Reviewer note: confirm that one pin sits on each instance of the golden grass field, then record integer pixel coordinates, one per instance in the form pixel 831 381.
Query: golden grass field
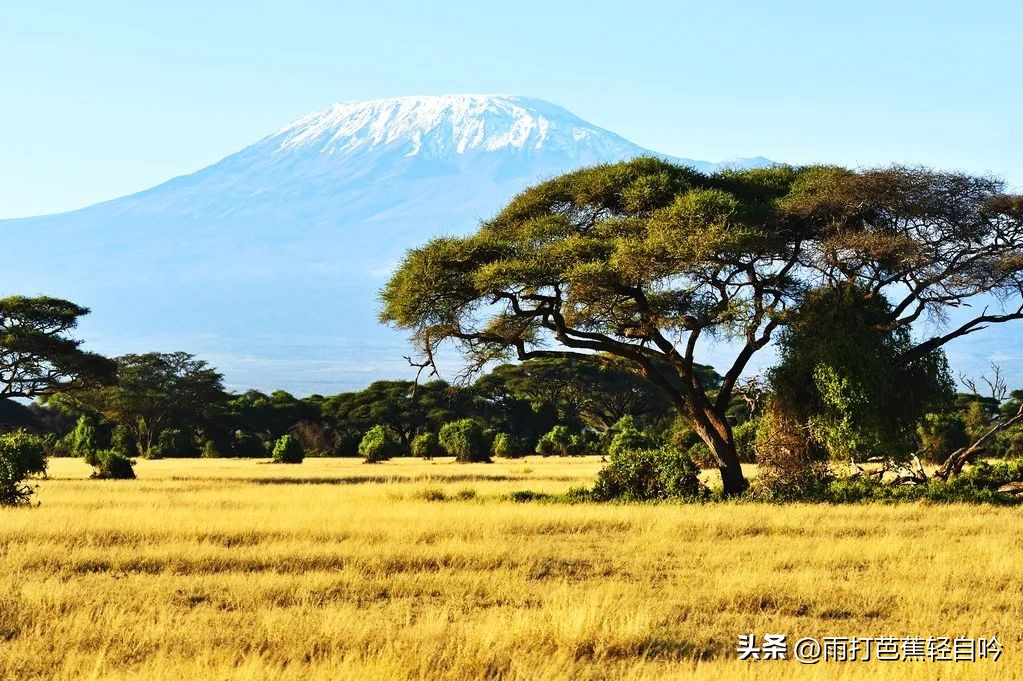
pixel 334 569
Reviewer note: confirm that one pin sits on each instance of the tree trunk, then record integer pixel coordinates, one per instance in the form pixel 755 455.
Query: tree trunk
pixel 713 428
pixel 953 465
pixel 733 481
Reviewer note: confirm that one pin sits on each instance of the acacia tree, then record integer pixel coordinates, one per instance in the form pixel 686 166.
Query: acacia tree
pixel 37 355
pixel 154 391
pixel 646 261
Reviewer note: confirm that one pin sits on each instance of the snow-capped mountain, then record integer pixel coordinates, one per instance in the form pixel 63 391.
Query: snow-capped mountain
pixel 268 262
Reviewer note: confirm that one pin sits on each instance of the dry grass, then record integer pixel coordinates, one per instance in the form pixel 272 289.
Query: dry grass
pixel 338 570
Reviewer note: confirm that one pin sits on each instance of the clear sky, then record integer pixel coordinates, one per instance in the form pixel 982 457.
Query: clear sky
pixel 99 99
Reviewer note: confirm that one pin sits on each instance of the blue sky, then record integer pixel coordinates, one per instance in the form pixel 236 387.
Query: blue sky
pixel 100 99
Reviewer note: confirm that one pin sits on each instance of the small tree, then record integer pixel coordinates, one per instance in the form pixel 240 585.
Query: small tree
pixel 556 442
pixel 209 451
pixel 426 446
pixel 378 444
pixel 465 440
pixel 112 465
pixel 509 446
pixel 628 437
pixel 82 440
pixel 287 450
pixel 648 475
pixel 940 435
pixel 21 456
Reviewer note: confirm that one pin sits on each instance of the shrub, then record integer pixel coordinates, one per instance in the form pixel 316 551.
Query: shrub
pixel 426 446
pixel 940 435
pixel 465 440
pixel 247 445
pixel 173 443
pixel 648 475
pixel 682 435
pixel 112 465
pixel 21 455
pixel 745 436
pixel 288 450
pixel 556 442
pixel 378 445
pixel 508 446
pixel 629 439
pixel 81 441
pixel 209 451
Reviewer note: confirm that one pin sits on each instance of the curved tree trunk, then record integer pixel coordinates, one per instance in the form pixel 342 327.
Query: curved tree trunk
pixel 719 440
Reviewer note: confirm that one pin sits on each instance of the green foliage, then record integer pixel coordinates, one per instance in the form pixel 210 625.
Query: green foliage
pixel 745 436
pixel 173 442
pixel 247 445
pixel 209 451
pixel 940 435
pixel 426 446
pixel 154 392
pixel 977 418
pixel 378 445
pixel 557 442
pixel 287 450
pixel 81 441
pixel 649 475
pixel 38 356
pixel 112 465
pixel 509 446
pixel 841 377
pixel 682 436
pixel 701 455
pixel 465 440
pixel 628 438
pixel 21 455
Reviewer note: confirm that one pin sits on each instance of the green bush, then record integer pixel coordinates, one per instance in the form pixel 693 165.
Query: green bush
pixel 288 450
pixel 629 439
pixel 556 442
pixel 81 441
pixel 21 456
pixel 209 450
pixel 465 440
pixel 174 443
pixel 247 445
pixel 378 445
pixel 745 435
pixel 940 435
pixel 426 446
pixel 508 446
pixel 112 465
pixel 649 475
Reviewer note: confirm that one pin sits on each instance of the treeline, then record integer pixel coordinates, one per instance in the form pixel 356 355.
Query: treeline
pixel 175 406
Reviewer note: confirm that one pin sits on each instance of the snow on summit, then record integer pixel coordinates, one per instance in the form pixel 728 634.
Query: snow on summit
pixel 447 124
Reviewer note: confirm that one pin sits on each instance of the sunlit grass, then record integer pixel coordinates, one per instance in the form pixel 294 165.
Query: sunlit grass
pixel 338 570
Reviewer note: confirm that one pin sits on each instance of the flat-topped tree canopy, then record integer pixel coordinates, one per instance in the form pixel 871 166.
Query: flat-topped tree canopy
pixel 37 354
pixel 643 260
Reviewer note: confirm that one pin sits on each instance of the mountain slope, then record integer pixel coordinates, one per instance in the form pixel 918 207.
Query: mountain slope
pixel 268 262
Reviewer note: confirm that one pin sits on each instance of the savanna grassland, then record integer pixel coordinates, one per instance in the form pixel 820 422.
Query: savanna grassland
pixel 409 569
